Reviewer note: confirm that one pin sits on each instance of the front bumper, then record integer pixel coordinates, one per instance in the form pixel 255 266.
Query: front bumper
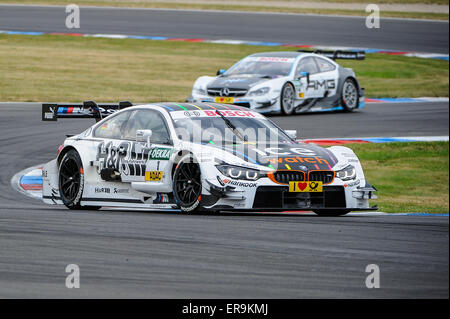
pixel 264 104
pixel 267 195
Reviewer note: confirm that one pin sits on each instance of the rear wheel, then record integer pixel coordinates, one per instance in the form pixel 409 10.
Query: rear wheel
pixel 187 187
pixel 287 99
pixel 331 213
pixel 349 96
pixel 71 181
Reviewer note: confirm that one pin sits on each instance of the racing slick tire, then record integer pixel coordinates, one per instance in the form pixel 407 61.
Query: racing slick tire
pixel 71 181
pixel 187 185
pixel 349 95
pixel 329 213
pixel 287 99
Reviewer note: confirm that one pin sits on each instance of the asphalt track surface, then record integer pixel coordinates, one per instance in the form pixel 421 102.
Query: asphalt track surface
pixel 163 254
pixel 394 34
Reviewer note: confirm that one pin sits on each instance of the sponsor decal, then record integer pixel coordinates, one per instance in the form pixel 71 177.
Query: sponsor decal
pixel 192 113
pixel 129 158
pixel 352 183
pixel 121 190
pixel 212 113
pixel 270 59
pixel 308 187
pixel 228 100
pixel 298 159
pixel 316 84
pixel 154 176
pixel 230 81
pixel 230 113
pixel 105 190
pixel 161 153
pixel 238 183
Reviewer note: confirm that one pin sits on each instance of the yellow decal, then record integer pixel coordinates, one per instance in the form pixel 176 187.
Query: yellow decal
pixel 307 187
pixel 301 95
pixel 224 100
pixel 153 176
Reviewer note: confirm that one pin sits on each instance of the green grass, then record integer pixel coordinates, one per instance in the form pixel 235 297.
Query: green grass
pixel 235 6
pixel 63 68
pixel 410 177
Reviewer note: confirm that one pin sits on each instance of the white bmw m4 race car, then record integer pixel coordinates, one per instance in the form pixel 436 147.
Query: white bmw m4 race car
pixel 285 82
pixel 197 157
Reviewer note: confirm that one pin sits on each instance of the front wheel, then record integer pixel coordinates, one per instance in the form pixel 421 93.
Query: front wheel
pixel 187 185
pixel 330 213
pixel 349 96
pixel 287 99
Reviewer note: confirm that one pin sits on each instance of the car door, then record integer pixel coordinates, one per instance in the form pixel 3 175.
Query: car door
pixel 109 146
pixel 312 88
pixel 328 75
pixel 141 162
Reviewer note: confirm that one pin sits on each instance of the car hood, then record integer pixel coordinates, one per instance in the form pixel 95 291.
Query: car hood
pixel 237 82
pixel 294 156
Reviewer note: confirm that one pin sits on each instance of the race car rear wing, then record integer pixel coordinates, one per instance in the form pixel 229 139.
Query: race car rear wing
pixel 89 109
pixel 339 54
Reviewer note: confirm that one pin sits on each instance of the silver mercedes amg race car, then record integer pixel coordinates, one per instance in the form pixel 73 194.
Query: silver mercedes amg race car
pixel 285 82
pixel 197 157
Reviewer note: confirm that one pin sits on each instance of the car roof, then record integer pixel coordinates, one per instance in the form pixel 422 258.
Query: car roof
pixel 280 54
pixel 173 106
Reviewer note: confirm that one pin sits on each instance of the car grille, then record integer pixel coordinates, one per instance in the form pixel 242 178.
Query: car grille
pixel 279 197
pixel 284 177
pixel 326 177
pixel 232 92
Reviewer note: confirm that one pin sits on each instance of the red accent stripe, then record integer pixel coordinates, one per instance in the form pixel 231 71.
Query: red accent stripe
pixel 31 187
pixel 334 142
pixel 186 40
pixel 372 100
pixel 393 53
pixel 70 109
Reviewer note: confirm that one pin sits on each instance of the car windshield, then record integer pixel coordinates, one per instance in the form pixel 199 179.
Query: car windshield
pixel 215 130
pixel 262 66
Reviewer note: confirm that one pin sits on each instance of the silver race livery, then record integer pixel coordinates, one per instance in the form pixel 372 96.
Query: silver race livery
pixel 197 157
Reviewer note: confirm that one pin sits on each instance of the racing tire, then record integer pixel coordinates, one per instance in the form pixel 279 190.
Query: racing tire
pixel 287 99
pixel 328 213
pixel 187 185
pixel 71 181
pixel 349 96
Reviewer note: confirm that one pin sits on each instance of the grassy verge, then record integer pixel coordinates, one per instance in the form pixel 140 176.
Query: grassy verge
pixel 410 177
pixel 63 68
pixel 243 7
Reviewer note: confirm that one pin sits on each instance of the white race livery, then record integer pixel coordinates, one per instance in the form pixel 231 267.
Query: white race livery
pixel 285 82
pixel 197 157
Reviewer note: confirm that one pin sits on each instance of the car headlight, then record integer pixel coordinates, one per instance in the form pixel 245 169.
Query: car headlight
pixel 260 91
pixel 346 174
pixel 200 91
pixel 237 172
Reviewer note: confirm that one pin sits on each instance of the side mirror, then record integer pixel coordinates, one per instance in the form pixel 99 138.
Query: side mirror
pixel 304 74
pixel 292 134
pixel 144 136
pixel 221 71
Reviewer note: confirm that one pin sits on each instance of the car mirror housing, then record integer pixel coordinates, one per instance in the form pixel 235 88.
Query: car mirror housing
pixel 304 74
pixel 292 134
pixel 144 136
